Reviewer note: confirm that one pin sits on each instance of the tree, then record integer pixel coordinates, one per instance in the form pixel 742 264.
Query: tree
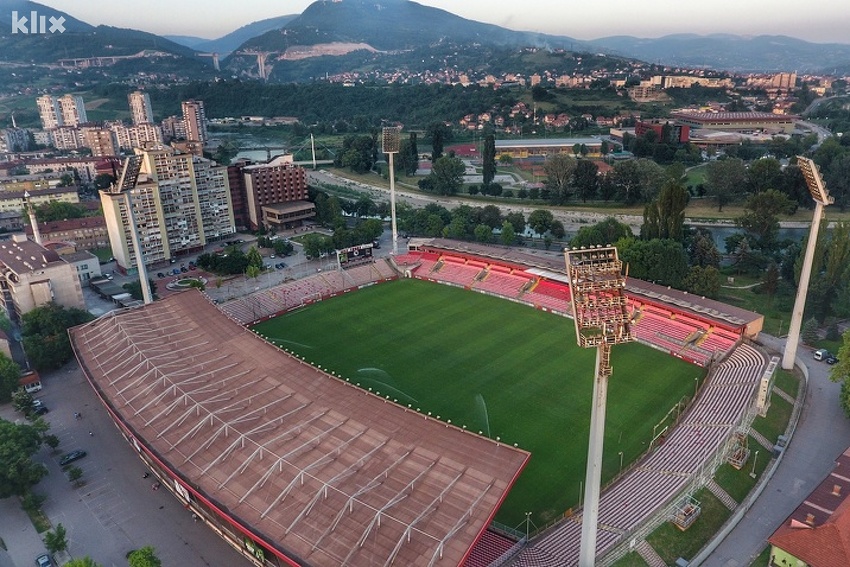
pixel 771 282
pixel 483 233
pixel 56 540
pixel 18 443
pixel 760 218
pixel 10 373
pixel 809 333
pixel 540 221
pixel 559 170
pixel 517 220
pixel 604 232
pixel 59 210
pixel 408 155
pixel 508 234
pixel 74 475
pixel 665 216
pixel 437 132
pixel 144 557
pixel 254 257
pixel 586 179
pixel 840 372
pixel 447 174
pixel 702 251
pixel 134 288
pixel 703 281
pixel 489 159
pixel 764 174
pixel 724 179
pixel 85 561
pixel 51 441
pixel 661 261
pixel 45 333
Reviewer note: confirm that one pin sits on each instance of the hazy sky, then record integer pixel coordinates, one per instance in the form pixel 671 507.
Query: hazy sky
pixel 820 21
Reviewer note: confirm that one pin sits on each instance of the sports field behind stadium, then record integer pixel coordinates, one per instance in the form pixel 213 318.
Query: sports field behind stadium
pixel 494 366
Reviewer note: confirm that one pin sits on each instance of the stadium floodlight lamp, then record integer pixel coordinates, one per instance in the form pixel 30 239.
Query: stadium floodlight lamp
pixel 391 142
pixel 600 313
pixel 391 139
pixel 817 189
pixel 814 182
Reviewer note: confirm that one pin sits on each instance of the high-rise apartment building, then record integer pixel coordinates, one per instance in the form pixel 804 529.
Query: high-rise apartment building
pixel 274 194
pixel 180 202
pixel 73 110
pixel 195 119
pixel 140 107
pixel 100 141
pixel 49 112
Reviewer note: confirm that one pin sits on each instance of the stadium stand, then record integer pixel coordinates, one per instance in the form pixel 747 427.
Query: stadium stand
pixel 280 458
pixel 490 548
pixel 662 474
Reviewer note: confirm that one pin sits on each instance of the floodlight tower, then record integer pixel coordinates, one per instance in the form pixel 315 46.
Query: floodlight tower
pixel 127 182
pixel 391 142
pixel 601 317
pixel 818 191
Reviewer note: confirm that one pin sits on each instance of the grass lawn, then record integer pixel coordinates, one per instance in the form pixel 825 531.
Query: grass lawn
pixel 672 543
pixel 777 418
pixel 738 483
pixel 632 559
pixel 493 366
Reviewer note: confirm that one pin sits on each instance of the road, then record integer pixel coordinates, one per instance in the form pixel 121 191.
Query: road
pixel 822 434
pixel 115 511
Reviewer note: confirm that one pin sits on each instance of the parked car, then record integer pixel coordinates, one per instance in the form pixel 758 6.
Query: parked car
pixel 175 271
pixel 160 275
pixel 40 410
pixel 821 354
pixel 71 457
pixel 831 359
pixel 43 560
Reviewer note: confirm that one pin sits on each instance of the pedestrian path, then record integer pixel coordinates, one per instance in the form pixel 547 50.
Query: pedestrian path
pixel 23 543
pixel 761 439
pixel 721 494
pixel 781 393
pixel 648 553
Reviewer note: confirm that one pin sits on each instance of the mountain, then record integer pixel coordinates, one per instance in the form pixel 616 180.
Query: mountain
pixel 391 25
pixel 228 43
pixel 78 40
pixel 187 40
pixel 763 53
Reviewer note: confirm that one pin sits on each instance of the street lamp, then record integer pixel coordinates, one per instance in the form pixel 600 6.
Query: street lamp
pixel 621 461
pixel 755 458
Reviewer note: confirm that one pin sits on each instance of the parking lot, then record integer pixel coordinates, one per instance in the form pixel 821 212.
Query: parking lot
pixel 115 511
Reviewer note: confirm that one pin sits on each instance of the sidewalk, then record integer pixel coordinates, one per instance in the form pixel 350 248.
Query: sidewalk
pixel 23 543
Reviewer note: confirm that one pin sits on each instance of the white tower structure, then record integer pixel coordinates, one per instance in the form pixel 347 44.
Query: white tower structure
pixel 36 235
pixel 391 143
pixel 818 191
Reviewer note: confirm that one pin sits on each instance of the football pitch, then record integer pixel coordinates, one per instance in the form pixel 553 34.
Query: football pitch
pixel 497 367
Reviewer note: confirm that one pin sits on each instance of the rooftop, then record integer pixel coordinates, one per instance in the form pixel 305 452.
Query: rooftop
pixel 321 470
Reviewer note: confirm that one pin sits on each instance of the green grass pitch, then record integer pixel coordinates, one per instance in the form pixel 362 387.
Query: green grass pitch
pixel 497 367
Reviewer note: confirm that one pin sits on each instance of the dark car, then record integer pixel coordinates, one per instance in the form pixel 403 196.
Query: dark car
pixel 160 275
pixel 71 457
pixel 43 560
pixel 40 410
pixel 831 359
pixel 184 269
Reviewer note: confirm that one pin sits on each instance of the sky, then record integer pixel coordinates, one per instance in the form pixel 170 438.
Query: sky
pixel 819 21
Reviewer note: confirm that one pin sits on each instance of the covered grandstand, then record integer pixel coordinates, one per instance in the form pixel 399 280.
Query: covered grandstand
pixel 291 465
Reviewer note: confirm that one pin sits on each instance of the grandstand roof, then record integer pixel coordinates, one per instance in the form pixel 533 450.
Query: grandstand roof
pixel 704 307
pixel 320 470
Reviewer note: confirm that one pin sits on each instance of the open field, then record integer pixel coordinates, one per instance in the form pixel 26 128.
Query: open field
pixel 493 366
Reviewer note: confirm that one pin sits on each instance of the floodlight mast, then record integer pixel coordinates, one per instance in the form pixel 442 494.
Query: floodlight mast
pixel 820 195
pixel 601 317
pixel 391 143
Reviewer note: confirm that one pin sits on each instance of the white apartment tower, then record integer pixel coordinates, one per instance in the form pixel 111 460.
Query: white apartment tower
pixel 180 202
pixel 73 110
pixel 140 107
pixel 195 120
pixel 49 111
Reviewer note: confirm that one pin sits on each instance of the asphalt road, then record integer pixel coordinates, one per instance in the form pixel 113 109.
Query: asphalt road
pixel 822 434
pixel 115 511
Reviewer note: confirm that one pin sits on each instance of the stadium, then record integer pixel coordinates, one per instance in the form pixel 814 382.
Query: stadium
pixel 295 464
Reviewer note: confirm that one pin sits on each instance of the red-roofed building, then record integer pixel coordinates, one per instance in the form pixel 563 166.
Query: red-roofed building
pixel 817 533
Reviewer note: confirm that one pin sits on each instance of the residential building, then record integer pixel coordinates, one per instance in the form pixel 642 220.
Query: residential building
pixel 141 111
pixel 86 264
pixel 86 233
pixel 49 112
pixel 174 128
pixel 180 202
pixel 73 110
pixel 32 276
pixel 12 200
pixel 274 194
pixel 66 138
pixel 817 532
pixel 195 120
pixel 143 135
pixel 14 140
pixel 100 141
